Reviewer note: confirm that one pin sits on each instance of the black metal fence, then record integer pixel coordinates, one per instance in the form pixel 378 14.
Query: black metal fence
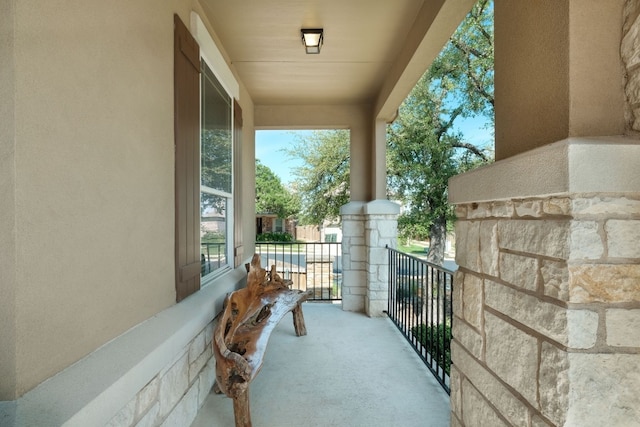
pixel 420 306
pixel 311 266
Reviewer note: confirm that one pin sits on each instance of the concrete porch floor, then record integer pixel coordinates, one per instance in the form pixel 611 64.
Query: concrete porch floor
pixel 350 370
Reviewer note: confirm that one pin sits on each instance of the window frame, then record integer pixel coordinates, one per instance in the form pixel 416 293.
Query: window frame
pixel 230 197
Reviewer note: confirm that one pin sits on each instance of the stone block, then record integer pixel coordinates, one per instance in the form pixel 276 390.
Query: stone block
pixel 468 245
pixel 196 366
pixel 622 238
pixel 147 397
pixel 196 347
pixel 513 355
pixel 537 421
pixel 586 242
pixel 387 228
pixel 548 319
pixel 377 256
pixel 461 211
pixel 553 383
pixel 150 419
pixel 376 308
pixel 476 410
pixel 556 206
pixel 185 411
pixel 124 417
pixel 489 247
pixel 358 254
pixel 503 209
pixel 623 327
pixel 605 207
pixel 609 283
pixel 353 303
pixel 479 211
pixel 455 386
pixel 173 385
pixel 519 271
pixel 205 381
pixel 458 282
pixel 555 279
pixel 472 300
pixel 494 391
pixel 539 237
pixel 604 390
pixel 529 208
pixel 468 338
pixel 208 334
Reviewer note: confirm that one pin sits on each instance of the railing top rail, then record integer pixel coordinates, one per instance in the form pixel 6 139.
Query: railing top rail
pixel 260 242
pixel 415 258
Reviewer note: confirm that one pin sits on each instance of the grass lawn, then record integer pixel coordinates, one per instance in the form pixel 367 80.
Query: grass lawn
pixel 412 249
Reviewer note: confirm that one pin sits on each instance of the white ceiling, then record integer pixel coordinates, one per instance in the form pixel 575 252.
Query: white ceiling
pixel 362 40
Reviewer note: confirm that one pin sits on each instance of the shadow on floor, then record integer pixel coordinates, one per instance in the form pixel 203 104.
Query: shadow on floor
pixel 350 370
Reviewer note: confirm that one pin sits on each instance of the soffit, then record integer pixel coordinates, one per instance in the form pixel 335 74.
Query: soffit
pixel 362 39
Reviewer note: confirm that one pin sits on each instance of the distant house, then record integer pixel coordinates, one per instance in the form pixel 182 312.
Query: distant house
pixel 270 223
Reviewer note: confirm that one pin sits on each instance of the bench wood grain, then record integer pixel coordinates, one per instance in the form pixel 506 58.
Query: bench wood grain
pixel 241 336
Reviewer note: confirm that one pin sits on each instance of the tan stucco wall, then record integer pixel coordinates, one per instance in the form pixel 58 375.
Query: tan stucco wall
pixel 94 176
pixel 87 155
pixel 569 83
pixel 7 202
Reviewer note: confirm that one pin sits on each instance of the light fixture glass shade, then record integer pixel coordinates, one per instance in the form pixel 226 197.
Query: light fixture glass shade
pixel 312 39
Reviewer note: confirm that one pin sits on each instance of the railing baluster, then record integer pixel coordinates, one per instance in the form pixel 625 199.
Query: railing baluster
pixel 420 306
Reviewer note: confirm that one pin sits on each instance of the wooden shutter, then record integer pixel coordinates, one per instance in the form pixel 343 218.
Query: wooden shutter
pixel 238 252
pixel 187 160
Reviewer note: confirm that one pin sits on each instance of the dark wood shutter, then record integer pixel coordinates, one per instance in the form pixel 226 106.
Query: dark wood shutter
pixel 187 160
pixel 238 250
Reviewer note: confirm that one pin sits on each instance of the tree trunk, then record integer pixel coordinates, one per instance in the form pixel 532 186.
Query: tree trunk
pixel 437 237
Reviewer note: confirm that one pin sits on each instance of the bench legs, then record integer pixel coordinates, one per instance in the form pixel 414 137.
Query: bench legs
pixel 298 321
pixel 241 409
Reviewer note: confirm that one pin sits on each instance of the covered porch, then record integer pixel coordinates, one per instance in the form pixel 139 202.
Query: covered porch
pixel 350 370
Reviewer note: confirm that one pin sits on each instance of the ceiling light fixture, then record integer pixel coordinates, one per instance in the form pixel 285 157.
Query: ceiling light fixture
pixel 312 39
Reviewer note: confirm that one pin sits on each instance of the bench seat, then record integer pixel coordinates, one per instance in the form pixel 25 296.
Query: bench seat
pixel 241 336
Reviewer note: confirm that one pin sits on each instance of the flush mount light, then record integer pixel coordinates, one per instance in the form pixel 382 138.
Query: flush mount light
pixel 312 39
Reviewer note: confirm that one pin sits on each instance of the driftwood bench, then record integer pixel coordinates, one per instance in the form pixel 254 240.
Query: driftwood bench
pixel 241 335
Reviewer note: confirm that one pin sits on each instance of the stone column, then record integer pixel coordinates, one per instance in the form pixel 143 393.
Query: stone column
pixel 354 268
pixel 547 295
pixel 381 230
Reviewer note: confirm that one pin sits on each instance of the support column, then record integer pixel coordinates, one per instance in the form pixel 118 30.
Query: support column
pixel 546 298
pixel 354 268
pixel 381 230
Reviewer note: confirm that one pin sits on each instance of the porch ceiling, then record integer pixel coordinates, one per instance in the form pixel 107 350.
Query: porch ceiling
pixel 365 42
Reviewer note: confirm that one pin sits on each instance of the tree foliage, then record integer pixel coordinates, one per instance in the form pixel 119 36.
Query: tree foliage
pixel 424 149
pixel 271 196
pixel 323 180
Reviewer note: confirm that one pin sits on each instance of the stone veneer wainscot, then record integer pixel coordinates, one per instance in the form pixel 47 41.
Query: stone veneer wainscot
pixel 547 296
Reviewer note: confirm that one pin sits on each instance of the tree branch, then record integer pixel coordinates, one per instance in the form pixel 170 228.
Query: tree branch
pixel 468 146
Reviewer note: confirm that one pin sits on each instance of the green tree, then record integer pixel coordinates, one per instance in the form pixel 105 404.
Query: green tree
pixel 424 149
pixel 323 180
pixel 271 196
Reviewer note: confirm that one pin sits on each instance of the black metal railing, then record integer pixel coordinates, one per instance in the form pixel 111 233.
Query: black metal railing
pixel 420 305
pixel 212 256
pixel 311 266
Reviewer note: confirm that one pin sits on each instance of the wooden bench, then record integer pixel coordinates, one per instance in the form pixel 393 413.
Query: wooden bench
pixel 242 333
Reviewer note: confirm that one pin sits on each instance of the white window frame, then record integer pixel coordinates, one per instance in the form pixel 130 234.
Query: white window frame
pixel 210 53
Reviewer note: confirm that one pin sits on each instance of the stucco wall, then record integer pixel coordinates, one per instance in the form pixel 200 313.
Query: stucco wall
pixel 7 201
pixel 88 157
pixel 567 83
pixel 94 181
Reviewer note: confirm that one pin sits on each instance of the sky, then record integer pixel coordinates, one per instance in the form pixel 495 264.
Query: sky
pixel 270 143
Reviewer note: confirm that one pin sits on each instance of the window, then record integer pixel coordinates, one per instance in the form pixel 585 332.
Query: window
pixel 216 183
pixel 205 125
